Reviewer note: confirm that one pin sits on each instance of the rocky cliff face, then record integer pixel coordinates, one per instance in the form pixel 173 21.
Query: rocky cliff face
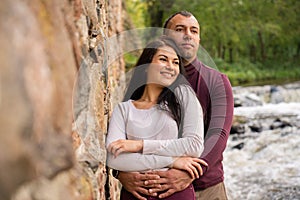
pixel 55 98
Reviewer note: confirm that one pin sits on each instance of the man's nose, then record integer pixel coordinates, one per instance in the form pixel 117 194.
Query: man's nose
pixel 187 34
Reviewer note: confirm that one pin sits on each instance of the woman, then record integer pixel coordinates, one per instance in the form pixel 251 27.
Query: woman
pixel 145 130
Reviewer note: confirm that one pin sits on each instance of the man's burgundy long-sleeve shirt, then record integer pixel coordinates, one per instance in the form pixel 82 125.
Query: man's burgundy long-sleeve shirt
pixel 214 92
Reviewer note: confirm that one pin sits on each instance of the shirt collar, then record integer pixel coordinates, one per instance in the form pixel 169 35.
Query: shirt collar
pixel 192 67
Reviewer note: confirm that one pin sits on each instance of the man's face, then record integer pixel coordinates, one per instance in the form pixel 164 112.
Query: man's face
pixel 185 31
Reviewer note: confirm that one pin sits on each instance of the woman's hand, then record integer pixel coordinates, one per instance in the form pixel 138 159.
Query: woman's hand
pixel 189 164
pixel 119 146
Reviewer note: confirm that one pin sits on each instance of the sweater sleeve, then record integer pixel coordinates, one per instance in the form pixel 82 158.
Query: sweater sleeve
pixel 220 121
pixel 129 161
pixel 191 143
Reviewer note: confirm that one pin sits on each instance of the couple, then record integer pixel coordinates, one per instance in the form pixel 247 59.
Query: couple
pixel 174 147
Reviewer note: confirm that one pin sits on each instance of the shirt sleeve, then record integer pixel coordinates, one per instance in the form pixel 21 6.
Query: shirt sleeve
pixel 116 128
pixel 129 161
pixel 191 143
pixel 220 121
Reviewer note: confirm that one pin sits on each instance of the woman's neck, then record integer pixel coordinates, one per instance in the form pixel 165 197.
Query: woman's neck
pixel 151 93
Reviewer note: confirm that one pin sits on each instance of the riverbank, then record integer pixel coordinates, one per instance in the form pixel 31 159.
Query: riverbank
pixel 246 73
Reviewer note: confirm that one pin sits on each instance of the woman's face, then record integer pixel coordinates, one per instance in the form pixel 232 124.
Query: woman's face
pixel 164 67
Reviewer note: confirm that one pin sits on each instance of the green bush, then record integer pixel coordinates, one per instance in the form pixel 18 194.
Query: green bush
pixel 246 73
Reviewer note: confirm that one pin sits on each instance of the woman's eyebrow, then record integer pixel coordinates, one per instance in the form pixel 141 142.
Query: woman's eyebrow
pixel 163 55
pixel 176 58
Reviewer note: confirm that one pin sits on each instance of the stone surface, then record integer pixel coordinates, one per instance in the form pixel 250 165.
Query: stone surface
pixel 55 98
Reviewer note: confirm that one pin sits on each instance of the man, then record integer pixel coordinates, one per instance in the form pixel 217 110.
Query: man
pixel 214 92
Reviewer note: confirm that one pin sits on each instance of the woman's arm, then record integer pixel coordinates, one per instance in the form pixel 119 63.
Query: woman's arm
pixel 129 161
pixel 192 129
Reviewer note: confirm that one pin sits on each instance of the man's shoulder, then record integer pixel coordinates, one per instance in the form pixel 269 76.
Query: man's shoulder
pixel 207 71
pixel 213 77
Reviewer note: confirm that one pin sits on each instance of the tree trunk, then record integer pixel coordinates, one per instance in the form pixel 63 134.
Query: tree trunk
pixel 262 46
pixel 223 52
pixel 231 55
pixel 252 52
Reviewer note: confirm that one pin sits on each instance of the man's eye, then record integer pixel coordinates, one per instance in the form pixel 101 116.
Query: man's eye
pixel 179 29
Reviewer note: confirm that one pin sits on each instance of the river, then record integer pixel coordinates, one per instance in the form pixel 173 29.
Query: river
pixel 262 157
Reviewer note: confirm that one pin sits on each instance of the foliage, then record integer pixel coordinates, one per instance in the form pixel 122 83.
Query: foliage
pixel 247 73
pixel 256 40
pixel 136 9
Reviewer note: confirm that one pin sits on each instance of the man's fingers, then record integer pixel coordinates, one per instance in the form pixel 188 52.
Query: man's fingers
pixel 138 196
pixel 155 182
pixel 150 176
pixel 143 191
pixel 167 193
pixel 150 179
pixel 163 187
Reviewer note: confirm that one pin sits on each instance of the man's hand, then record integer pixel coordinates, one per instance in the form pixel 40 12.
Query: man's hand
pixel 119 146
pixel 171 181
pixel 134 182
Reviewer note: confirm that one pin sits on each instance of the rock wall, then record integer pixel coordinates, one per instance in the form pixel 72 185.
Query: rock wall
pixel 56 85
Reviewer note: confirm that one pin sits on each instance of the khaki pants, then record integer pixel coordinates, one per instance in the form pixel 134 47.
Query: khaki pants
pixel 216 192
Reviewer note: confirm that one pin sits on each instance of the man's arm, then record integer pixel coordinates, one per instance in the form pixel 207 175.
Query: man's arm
pixel 220 121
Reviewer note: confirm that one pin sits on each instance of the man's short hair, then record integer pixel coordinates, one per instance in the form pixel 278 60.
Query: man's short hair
pixel 183 12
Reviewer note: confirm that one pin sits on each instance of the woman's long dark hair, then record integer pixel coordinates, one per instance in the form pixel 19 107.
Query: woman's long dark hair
pixel 138 81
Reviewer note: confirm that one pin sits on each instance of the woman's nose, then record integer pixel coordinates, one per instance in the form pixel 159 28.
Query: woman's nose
pixel 170 66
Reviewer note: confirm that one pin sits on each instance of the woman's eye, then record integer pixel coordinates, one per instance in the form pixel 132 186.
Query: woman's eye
pixel 163 59
pixel 176 63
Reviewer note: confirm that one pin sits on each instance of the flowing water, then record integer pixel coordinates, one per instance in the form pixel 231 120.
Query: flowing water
pixel 266 164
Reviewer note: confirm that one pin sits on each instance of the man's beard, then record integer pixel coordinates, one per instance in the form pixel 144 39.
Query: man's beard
pixel 186 55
